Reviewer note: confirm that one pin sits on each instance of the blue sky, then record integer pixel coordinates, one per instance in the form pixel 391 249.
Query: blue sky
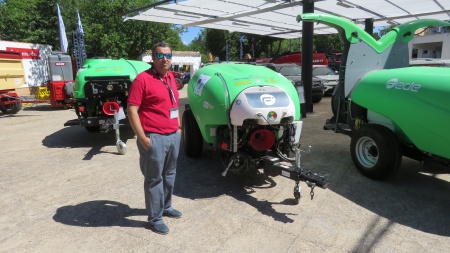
pixel 187 37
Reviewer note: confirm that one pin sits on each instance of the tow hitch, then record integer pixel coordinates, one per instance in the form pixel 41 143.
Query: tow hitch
pixel 273 167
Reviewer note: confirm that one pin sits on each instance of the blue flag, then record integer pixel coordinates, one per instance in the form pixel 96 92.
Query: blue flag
pixel 62 32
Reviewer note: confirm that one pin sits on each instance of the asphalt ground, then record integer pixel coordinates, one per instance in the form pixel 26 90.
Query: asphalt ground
pixel 64 189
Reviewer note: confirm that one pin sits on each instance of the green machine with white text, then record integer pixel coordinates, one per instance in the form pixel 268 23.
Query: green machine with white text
pixel 250 116
pixel 101 94
pixel 389 109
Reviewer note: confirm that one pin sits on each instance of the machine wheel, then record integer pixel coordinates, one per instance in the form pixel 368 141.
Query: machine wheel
pixel 334 104
pixel 121 147
pixel 180 83
pixel 192 137
pixel 11 109
pixel 375 151
pixel 317 99
pixel 242 164
pixel 93 129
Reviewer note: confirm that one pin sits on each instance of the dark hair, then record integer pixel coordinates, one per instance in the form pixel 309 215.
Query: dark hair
pixel 160 44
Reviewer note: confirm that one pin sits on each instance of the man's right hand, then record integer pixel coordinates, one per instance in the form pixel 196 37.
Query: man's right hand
pixel 145 142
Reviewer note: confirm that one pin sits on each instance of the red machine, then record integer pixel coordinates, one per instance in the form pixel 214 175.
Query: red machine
pixel 296 57
pixel 61 86
pixel 10 71
pixel 9 101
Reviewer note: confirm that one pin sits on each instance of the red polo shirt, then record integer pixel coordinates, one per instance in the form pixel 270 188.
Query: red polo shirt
pixel 153 98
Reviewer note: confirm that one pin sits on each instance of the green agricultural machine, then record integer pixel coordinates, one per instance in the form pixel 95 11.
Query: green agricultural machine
pixel 250 116
pixel 388 109
pixel 101 93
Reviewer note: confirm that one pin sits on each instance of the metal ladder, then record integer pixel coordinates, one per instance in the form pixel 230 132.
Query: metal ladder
pixel 79 51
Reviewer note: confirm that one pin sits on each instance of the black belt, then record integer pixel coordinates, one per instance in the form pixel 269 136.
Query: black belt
pixel 160 133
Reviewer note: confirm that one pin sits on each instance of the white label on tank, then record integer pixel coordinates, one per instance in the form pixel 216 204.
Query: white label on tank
pixel 17 81
pixel 201 81
pixel 212 131
pixel 56 78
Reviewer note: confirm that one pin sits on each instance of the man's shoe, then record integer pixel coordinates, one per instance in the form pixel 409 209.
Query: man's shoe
pixel 173 214
pixel 161 229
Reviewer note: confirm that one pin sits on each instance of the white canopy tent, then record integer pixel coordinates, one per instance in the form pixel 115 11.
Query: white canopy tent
pixel 277 18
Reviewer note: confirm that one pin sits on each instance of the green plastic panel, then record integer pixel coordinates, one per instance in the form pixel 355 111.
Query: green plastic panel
pixel 416 99
pixel 208 89
pixel 354 33
pixel 106 67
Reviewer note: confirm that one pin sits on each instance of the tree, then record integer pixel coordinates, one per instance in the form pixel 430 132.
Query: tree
pixel 29 21
pixel 384 30
pixel 106 34
pixel 198 45
pixel 328 43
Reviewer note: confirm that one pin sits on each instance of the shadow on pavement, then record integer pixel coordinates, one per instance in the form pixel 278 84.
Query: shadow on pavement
pixel 413 197
pixel 79 137
pixel 202 178
pixel 99 213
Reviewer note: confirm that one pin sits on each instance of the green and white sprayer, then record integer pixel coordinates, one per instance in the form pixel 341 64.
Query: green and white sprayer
pixel 250 116
pixel 101 93
pixel 388 109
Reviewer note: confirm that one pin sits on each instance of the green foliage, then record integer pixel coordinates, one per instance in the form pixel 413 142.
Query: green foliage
pixel 328 43
pixel 198 45
pixel 215 43
pixel 385 30
pixel 29 21
pixel 106 34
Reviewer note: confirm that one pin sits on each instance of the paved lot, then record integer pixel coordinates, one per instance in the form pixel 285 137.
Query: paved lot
pixel 67 190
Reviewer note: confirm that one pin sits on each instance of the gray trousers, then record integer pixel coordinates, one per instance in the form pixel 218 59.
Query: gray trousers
pixel 158 165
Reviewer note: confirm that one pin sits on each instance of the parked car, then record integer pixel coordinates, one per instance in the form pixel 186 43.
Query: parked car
pixel 293 72
pixel 329 77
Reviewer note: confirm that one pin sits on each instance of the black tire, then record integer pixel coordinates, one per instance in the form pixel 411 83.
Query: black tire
pixel 180 84
pixel 192 137
pixel 317 99
pixel 334 104
pixel 375 151
pixel 12 108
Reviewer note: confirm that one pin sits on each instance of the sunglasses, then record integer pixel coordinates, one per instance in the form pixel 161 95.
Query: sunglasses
pixel 161 55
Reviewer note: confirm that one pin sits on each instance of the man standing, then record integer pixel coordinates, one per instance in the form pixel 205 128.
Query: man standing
pixel 153 114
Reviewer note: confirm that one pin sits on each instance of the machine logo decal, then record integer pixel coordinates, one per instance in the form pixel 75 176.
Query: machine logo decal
pixel 395 83
pixel 272 116
pixel 243 82
pixel 271 80
pixel 268 99
pixel 208 105
pixel 201 81
pixel 109 87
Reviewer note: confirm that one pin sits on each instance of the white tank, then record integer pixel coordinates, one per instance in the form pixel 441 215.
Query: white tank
pixel 266 104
